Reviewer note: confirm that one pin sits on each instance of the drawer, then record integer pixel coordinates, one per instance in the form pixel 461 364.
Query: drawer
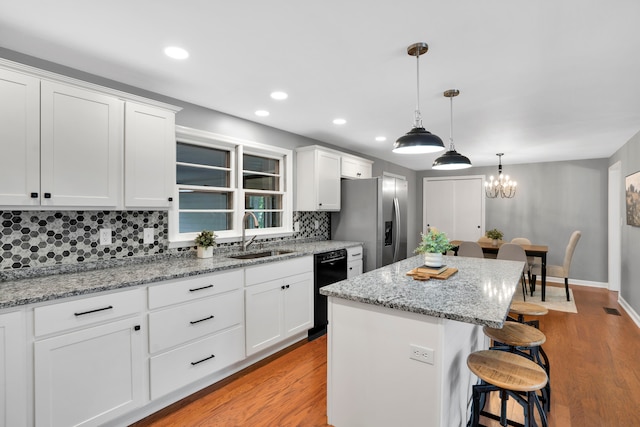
pixel 87 311
pixel 188 289
pixel 184 365
pixel 278 270
pixel 354 254
pixel 186 322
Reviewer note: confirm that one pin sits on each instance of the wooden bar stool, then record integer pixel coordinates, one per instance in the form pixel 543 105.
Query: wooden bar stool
pixel 526 341
pixel 522 309
pixel 511 375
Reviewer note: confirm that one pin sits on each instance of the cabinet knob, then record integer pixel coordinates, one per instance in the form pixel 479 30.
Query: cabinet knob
pixel 47 195
pixel 319 204
pixel 34 195
pixel 282 287
pixel 170 199
pixel 136 328
pixel 359 174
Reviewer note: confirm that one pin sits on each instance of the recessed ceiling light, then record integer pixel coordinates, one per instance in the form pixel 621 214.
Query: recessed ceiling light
pixel 381 138
pixel 279 95
pixel 262 113
pixel 176 52
pixel 339 121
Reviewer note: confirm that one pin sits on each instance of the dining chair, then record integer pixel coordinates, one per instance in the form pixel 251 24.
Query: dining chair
pixel 513 252
pixel 470 249
pixel 560 270
pixel 530 260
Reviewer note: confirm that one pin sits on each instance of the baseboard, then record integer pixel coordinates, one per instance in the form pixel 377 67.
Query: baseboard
pixel 630 311
pixel 588 283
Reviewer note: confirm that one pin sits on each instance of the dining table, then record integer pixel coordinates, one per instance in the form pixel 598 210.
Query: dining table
pixel 530 250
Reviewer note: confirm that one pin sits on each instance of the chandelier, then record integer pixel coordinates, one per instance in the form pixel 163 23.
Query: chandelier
pixel 501 185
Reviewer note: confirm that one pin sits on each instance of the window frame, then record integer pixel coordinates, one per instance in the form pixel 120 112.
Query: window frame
pixel 237 148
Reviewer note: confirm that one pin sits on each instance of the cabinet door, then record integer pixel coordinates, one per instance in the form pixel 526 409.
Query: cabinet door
pixel 81 147
pixel 264 308
pixel 19 139
pixel 149 157
pixel 328 175
pixel 13 370
pixel 298 304
pixel 354 268
pixel 88 377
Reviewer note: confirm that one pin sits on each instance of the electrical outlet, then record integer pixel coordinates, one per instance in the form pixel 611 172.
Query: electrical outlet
pixel 296 226
pixel 105 236
pixel 317 224
pixel 421 354
pixel 147 237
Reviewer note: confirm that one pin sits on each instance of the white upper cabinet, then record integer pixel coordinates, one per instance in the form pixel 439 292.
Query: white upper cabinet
pixel 317 180
pixel 19 139
pixel 150 150
pixel 81 140
pixel 64 142
pixel 355 167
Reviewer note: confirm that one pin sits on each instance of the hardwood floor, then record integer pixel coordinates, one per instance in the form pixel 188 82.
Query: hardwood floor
pixel 595 378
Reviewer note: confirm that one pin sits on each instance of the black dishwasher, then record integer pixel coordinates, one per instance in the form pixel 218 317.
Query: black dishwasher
pixel 328 268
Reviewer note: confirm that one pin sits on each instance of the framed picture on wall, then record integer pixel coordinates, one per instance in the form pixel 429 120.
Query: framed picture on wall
pixel 632 195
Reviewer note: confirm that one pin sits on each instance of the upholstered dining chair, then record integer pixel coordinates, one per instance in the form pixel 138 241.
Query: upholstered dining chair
pixel 470 249
pixel 513 252
pixel 560 270
pixel 530 260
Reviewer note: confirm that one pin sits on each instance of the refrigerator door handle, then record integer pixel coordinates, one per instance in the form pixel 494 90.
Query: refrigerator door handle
pixel 396 241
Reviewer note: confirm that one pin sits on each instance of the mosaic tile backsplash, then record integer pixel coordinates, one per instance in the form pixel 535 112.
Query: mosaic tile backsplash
pixel 44 238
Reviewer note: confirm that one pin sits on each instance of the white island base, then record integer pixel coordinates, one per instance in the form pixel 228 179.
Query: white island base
pixel 372 381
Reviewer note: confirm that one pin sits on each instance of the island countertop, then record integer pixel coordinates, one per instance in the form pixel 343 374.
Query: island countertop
pixel 479 293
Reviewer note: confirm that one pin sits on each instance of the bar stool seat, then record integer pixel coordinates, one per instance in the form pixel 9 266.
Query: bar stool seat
pixel 526 341
pixel 513 376
pixel 521 309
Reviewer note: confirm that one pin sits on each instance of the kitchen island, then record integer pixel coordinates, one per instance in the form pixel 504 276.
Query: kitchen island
pixel 397 347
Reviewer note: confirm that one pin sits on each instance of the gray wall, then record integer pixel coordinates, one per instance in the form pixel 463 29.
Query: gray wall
pixel 552 201
pixel 629 156
pixel 198 117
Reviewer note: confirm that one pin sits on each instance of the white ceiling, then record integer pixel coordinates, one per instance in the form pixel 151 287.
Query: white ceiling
pixel 539 80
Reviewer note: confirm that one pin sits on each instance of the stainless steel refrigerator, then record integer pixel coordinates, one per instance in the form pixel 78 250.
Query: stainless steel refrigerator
pixel 373 211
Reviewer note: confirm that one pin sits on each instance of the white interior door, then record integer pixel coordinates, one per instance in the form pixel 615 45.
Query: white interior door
pixel 455 205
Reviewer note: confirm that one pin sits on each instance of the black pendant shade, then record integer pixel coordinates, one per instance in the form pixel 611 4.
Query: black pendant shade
pixel 451 160
pixel 418 140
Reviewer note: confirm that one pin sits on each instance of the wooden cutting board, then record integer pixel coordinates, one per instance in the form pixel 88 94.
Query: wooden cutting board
pixel 419 273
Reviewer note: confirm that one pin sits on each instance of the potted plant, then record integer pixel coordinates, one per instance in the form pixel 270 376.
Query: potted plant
pixel 494 234
pixel 205 241
pixel 433 244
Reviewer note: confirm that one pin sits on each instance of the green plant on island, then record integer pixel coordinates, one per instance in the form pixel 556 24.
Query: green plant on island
pixel 434 241
pixel 206 239
pixel 494 234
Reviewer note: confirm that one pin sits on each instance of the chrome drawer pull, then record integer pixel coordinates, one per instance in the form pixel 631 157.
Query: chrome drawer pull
pixel 199 289
pixel 93 311
pixel 358 254
pixel 203 360
pixel 201 320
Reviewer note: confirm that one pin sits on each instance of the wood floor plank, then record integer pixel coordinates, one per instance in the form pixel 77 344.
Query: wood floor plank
pixel 595 378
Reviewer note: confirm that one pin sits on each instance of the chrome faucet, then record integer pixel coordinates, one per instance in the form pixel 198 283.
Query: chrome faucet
pixel 246 244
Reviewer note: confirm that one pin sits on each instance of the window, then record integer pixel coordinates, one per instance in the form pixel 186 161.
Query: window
pixel 261 182
pixel 219 178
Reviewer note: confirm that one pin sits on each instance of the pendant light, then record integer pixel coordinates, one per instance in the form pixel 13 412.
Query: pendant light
pixel 418 140
pixel 451 160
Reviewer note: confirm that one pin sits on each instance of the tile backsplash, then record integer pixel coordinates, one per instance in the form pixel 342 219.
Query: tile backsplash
pixel 44 238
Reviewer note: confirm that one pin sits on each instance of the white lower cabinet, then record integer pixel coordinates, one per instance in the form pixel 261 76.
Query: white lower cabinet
pixel 280 308
pixel 13 370
pixel 354 261
pixel 88 377
pixel 90 368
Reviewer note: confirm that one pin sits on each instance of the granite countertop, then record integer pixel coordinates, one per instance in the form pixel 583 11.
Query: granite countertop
pixel 75 280
pixel 479 293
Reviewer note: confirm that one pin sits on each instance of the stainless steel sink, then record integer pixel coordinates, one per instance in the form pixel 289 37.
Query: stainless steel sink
pixel 259 254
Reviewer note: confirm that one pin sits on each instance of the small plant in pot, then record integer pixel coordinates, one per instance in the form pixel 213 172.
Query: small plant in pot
pixel 205 241
pixel 434 243
pixel 495 235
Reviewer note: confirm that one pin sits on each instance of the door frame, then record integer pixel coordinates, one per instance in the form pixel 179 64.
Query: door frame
pixel 482 179
pixel 614 204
